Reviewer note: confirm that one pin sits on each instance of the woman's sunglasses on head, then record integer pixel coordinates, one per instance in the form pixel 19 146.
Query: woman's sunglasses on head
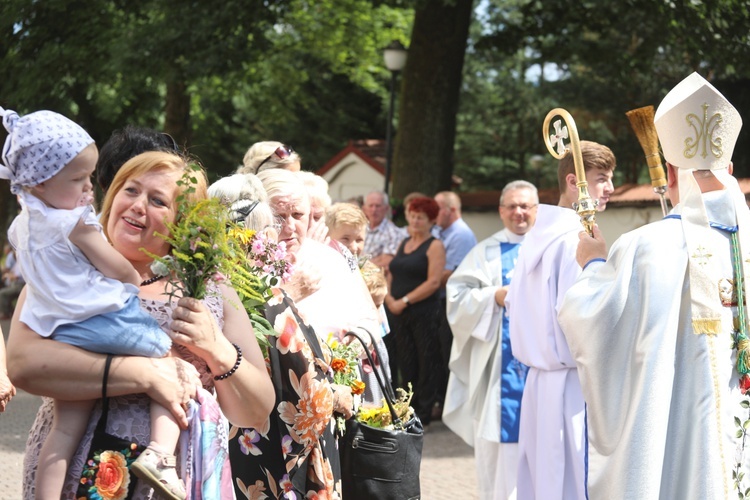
pixel 282 153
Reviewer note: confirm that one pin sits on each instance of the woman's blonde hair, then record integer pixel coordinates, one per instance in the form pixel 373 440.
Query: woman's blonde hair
pixel 375 280
pixel 263 152
pixel 146 163
pixel 317 188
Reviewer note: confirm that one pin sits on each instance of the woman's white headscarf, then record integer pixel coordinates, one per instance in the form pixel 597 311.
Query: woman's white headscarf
pixel 38 146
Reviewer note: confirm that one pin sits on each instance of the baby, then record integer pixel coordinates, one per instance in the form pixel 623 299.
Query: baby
pixel 80 290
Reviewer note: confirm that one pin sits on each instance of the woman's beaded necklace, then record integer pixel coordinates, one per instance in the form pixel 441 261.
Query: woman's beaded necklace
pixel 153 280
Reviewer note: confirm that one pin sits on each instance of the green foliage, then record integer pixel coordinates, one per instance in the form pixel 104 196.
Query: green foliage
pixel 310 73
pixel 605 59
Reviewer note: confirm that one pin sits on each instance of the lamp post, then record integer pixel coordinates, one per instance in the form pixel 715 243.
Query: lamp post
pixel 536 162
pixel 395 60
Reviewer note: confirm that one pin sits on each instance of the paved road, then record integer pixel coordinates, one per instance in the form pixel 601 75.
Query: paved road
pixel 447 462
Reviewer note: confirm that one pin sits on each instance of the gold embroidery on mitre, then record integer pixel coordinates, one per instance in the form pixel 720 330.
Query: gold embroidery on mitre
pixel 709 326
pixel 701 256
pixel 704 130
pixel 727 292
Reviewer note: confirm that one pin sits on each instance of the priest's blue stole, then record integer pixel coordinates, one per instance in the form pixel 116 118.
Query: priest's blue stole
pixel 513 372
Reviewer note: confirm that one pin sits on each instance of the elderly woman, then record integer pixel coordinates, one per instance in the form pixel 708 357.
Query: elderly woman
pixel 211 347
pixel 413 300
pixel 342 301
pixel 268 155
pixel 246 200
pixel 296 451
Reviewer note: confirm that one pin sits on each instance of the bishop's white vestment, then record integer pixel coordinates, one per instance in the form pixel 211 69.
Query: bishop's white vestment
pixel 551 440
pixel 483 399
pixel 666 417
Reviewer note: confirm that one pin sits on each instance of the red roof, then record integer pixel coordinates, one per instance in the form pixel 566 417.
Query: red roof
pixel 372 152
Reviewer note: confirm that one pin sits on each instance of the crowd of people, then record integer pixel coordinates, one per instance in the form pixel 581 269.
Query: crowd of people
pixel 573 372
pixel 90 277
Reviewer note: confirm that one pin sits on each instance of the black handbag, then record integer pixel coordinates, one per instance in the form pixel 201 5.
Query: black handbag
pixel 106 473
pixel 379 463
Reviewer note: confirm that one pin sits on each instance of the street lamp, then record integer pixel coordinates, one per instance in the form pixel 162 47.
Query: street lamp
pixel 395 60
pixel 536 162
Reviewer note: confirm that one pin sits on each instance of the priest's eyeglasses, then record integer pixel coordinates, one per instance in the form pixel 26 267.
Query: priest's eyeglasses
pixel 282 153
pixel 522 208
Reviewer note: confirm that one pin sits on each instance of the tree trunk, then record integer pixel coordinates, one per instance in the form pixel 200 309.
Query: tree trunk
pixel 177 113
pixel 423 156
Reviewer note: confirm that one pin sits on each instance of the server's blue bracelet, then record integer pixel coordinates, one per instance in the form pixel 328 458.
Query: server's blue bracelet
pixel 598 259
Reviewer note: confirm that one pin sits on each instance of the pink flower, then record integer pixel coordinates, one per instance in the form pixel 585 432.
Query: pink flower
pixel 745 384
pixel 258 246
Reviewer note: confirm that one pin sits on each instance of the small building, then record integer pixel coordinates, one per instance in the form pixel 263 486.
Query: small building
pixel 355 170
pixel 360 168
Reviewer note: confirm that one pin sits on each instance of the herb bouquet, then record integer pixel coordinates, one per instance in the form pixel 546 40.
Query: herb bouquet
pixel 208 248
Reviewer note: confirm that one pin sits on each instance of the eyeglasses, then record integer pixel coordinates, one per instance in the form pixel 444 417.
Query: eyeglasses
pixel 276 226
pixel 523 207
pixel 282 153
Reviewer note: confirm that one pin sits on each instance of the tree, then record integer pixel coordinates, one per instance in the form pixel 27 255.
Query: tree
pixel 423 154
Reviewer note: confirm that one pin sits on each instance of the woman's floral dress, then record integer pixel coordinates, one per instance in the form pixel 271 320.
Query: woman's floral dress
pixel 128 415
pixel 295 455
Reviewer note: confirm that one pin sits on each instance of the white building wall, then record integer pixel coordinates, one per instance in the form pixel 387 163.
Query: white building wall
pixel 613 222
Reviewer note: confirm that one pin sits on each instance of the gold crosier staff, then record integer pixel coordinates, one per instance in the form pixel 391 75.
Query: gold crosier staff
pixel 585 207
pixel 642 121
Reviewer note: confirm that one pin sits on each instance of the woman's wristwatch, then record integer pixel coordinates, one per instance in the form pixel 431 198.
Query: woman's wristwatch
pixel 405 299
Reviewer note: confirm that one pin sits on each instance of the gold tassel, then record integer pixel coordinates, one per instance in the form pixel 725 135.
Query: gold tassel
pixel 706 325
pixel 743 355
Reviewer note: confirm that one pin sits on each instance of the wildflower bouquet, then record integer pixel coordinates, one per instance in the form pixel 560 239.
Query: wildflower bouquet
pixel 380 416
pixel 266 260
pixel 203 250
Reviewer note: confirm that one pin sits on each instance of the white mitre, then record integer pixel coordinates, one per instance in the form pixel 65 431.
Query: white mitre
pixel 698 129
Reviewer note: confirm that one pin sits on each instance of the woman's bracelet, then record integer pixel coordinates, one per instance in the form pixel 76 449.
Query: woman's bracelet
pixel 234 368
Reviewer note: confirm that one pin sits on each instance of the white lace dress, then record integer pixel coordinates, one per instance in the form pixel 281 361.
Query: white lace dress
pixel 128 415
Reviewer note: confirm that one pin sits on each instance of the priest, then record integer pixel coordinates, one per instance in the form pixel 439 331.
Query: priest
pixel 658 327
pixel 483 399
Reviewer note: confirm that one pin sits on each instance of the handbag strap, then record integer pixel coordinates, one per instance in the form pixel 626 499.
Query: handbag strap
pixel 101 426
pixel 378 376
pixel 388 387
